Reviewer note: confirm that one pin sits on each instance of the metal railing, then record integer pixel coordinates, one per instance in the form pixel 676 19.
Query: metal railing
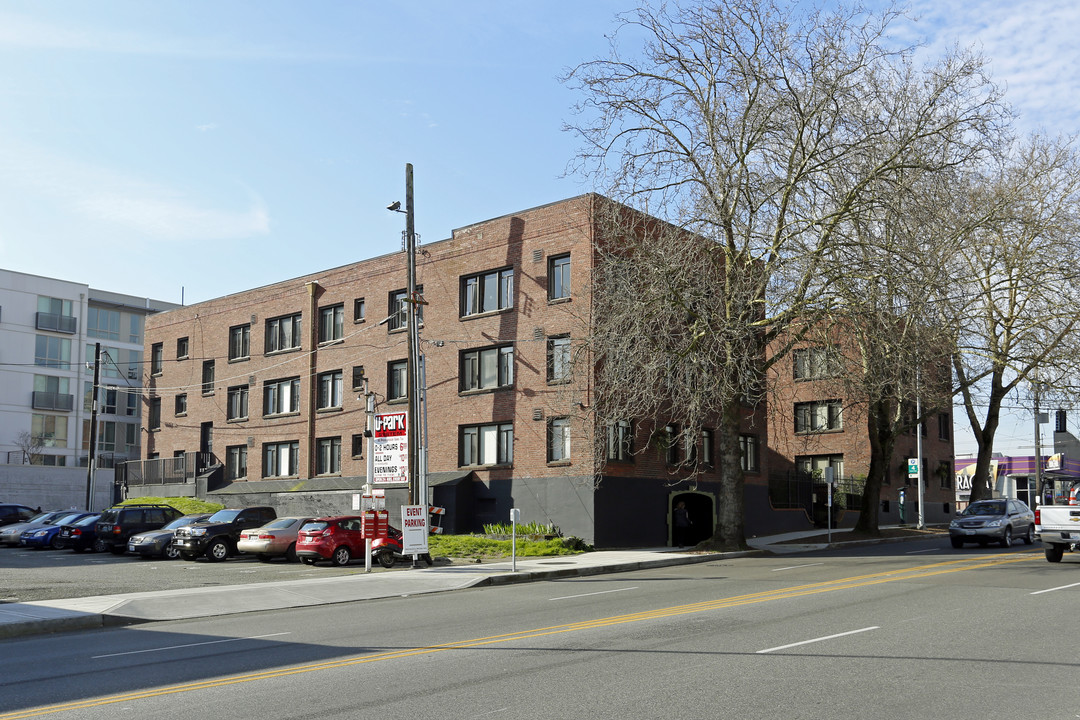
pixel 804 490
pixel 52 401
pixel 164 471
pixel 55 322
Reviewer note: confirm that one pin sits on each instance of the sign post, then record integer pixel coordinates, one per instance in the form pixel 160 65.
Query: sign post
pixel 830 477
pixel 414 531
pixel 515 518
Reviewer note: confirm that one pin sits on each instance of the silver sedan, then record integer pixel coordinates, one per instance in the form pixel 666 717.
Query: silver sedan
pixel 1001 520
pixel 274 539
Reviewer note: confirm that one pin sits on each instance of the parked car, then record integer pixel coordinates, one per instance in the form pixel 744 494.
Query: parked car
pixel 216 536
pixel 43 536
pixel 79 535
pixel 999 520
pixel 275 539
pixel 119 523
pixel 337 539
pixel 9 534
pixel 159 543
pixel 11 513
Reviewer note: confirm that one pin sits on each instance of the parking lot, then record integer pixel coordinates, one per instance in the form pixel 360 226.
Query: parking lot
pixel 27 575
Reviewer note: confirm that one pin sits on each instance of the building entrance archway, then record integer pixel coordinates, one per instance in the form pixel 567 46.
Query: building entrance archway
pixel 701 508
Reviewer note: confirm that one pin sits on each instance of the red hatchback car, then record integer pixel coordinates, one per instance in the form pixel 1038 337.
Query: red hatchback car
pixel 337 539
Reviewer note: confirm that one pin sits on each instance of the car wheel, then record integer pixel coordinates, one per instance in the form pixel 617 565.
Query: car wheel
pixel 218 551
pixel 386 559
pixel 1054 552
pixel 956 542
pixel 56 543
pixel 171 552
pixel 100 546
pixel 1029 536
pixel 342 556
pixel 290 554
pixel 1006 537
pixel 308 561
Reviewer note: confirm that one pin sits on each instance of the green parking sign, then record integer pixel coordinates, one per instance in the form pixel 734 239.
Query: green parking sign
pixel 913 467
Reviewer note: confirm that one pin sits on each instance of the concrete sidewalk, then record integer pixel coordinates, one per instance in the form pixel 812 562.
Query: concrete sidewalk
pixel 17 619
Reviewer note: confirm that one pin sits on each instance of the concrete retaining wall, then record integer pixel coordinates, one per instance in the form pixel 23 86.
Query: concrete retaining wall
pixel 54 488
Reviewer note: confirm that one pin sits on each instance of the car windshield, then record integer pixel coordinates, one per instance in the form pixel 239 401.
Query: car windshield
pixel 990 508
pixel 223 516
pixel 313 526
pixel 64 519
pixel 282 523
pixel 182 521
pixel 88 520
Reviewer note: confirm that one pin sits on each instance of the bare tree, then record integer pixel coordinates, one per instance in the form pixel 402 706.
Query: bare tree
pixel 1014 298
pixel 761 128
pixel 30 446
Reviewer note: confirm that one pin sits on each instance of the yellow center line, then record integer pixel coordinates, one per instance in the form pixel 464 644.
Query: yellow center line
pixel 916 573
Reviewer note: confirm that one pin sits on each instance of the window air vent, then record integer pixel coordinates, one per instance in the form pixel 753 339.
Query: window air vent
pixel 538 256
pixel 538 333
pixel 538 414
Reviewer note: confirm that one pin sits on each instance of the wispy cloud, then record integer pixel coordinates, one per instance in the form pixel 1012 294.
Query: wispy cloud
pixel 1031 48
pixel 104 196
pixel 206 127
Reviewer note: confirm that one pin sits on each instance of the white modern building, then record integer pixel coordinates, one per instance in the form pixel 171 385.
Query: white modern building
pixel 49 330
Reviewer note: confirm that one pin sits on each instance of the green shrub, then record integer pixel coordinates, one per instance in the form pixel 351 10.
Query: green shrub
pixel 185 505
pixel 480 547
pixel 522 529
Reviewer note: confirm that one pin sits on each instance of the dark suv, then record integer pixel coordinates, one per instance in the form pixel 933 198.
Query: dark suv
pixel 117 524
pixel 216 536
pixel 10 514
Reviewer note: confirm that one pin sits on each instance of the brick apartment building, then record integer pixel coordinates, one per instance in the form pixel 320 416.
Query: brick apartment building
pixel 267 383
pixel 813 425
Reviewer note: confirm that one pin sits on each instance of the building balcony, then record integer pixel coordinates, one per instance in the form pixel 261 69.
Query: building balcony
pixel 55 322
pixel 52 401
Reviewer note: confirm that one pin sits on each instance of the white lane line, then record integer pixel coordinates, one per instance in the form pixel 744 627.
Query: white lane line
pixel 916 552
pixel 602 592
pixel 820 639
pixel 796 567
pixel 177 647
pixel 1063 587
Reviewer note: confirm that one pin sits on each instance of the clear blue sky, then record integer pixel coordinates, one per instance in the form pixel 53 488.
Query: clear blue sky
pixel 218 145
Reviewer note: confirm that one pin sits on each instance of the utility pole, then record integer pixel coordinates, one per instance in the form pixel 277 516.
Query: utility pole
pixel 1038 452
pixel 91 459
pixel 918 441
pixel 412 384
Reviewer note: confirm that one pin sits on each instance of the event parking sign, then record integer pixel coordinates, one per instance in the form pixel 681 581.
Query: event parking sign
pixel 391 450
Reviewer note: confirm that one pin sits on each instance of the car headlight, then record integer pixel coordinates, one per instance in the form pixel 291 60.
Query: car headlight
pixel 954 523
pixel 198 532
pixel 994 523
pixel 40 533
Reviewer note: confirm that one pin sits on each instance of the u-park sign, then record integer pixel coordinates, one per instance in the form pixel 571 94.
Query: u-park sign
pixel 391 453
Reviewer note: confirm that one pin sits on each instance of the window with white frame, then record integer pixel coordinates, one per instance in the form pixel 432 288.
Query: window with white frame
pixel 748 453
pixel 487 444
pixel 238 402
pixel 281 396
pixel 330 390
pixel 359 310
pixel 814 465
pixel 181 348
pixel 331 323
pixel 328 456
pixel 487 368
pixel 706 450
pixel 620 445
pixel 49 430
pixel 819 416
pixel 559 277
pixel 180 404
pixel 814 363
pixel 236 462
pixel 558 359
pixel 281 459
pixel 240 342
pixel 398 310
pixel 558 440
pixel 208 377
pixel 487 292
pixel 157 361
pixel 102 323
pixel 397 380
pixel 154 414
pixel 283 333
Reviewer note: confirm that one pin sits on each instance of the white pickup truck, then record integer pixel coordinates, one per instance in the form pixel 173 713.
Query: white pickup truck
pixel 1057 525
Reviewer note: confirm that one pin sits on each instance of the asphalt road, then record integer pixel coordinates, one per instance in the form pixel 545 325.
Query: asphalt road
pixel 27 575
pixel 915 630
